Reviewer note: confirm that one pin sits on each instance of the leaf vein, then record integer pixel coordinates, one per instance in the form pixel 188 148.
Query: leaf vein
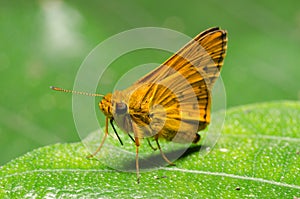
pixel 233 176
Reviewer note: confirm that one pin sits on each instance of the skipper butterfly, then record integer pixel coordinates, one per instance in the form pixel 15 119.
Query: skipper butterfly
pixel 173 101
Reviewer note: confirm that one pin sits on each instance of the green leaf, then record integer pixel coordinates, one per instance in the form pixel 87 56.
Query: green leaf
pixel 257 156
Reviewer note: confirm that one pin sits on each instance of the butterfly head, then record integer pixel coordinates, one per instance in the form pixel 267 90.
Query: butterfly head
pixel 112 105
pixel 105 105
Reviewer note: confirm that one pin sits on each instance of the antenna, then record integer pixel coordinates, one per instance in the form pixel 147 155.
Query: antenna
pixel 76 92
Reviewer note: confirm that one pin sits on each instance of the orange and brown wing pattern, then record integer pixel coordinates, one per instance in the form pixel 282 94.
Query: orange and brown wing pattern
pixel 205 52
pixel 174 99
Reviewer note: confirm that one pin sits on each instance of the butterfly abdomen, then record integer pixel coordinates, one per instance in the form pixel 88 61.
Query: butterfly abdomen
pixel 197 138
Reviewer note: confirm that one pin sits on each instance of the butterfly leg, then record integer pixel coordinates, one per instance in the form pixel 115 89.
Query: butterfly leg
pixel 102 141
pixel 163 155
pixel 149 143
pixel 137 144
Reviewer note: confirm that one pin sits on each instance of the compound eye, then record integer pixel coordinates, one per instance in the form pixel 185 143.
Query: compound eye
pixel 121 108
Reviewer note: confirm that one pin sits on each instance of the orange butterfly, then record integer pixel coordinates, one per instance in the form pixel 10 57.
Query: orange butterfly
pixel 173 101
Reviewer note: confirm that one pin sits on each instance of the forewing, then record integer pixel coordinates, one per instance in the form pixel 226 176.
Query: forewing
pixel 205 52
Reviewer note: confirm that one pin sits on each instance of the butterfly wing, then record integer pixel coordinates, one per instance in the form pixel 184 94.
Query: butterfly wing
pixel 173 101
pixel 205 52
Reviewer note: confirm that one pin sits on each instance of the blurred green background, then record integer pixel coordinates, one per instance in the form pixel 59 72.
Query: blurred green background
pixel 43 43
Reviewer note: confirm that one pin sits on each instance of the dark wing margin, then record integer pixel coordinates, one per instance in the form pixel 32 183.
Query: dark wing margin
pixel 210 45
